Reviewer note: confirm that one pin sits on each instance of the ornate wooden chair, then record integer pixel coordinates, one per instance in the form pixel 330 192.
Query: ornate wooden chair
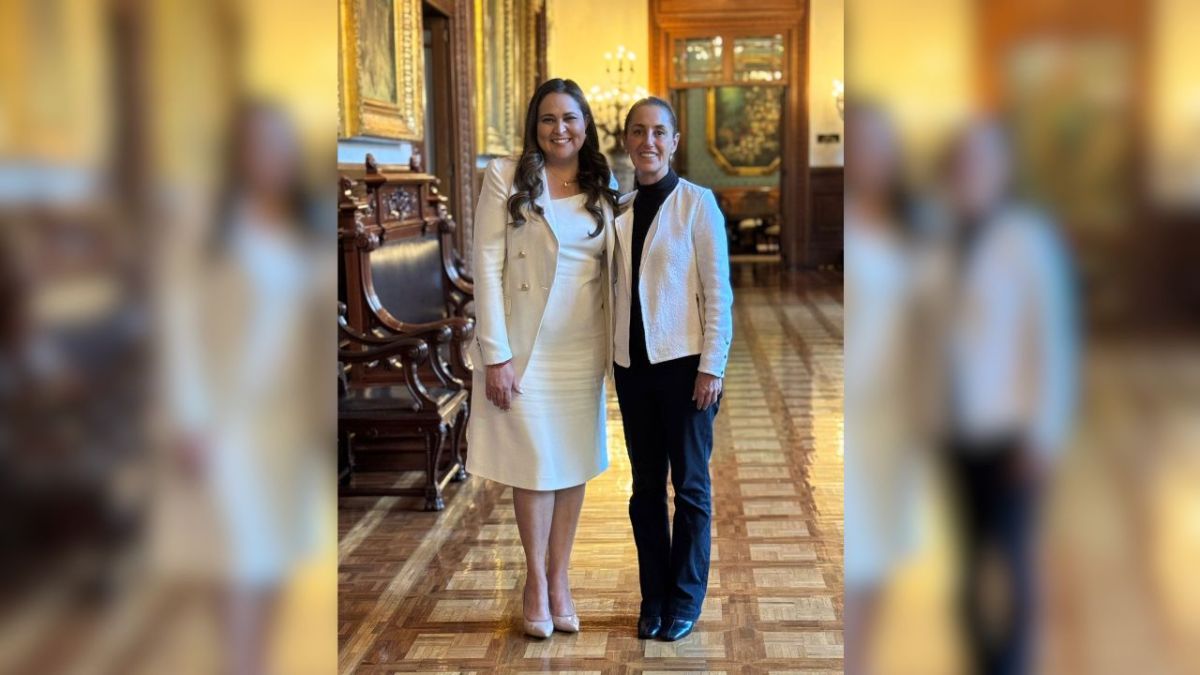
pixel 401 278
pixel 753 216
pixel 391 403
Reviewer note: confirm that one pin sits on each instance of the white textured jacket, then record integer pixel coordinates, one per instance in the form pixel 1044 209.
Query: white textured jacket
pixel 514 269
pixel 1014 344
pixel 687 301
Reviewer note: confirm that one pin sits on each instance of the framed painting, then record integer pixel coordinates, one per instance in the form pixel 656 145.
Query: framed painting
pixel 1073 119
pixel 743 128
pixel 498 86
pixel 381 69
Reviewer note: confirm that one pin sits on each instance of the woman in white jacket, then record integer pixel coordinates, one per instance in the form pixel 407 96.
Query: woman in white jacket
pixel 543 250
pixel 673 323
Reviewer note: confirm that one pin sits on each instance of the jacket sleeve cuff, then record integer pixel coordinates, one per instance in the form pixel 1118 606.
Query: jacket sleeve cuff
pixel 712 366
pixel 493 354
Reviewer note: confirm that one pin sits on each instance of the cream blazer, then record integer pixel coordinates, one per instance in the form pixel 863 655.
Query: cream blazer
pixel 687 300
pixel 514 270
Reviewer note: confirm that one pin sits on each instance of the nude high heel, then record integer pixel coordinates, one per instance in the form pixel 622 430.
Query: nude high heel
pixel 566 624
pixel 539 629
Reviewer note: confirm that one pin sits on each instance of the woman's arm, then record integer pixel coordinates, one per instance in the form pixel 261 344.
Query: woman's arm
pixel 1057 342
pixel 491 219
pixel 712 259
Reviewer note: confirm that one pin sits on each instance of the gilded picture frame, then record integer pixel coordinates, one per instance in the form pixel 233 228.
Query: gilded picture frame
pixel 743 129
pixel 381 69
pixel 498 107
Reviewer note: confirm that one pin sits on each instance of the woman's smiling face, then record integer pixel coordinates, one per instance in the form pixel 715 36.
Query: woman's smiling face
pixel 651 139
pixel 561 128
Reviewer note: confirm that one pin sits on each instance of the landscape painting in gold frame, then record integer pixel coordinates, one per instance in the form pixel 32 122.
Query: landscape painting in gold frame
pixel 743 128
pixel 381 69
pixel 498 90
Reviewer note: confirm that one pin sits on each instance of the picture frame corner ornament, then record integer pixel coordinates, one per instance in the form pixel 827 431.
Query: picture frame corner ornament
pixel 403 118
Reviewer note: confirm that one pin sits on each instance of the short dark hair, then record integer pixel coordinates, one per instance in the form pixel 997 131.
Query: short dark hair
pixel 651 100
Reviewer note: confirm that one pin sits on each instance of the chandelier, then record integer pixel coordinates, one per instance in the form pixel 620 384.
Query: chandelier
pixel 610 102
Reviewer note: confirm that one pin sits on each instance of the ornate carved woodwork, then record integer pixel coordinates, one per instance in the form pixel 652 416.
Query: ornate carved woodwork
pixel 386 206
pixel 391 408
pixel 401 279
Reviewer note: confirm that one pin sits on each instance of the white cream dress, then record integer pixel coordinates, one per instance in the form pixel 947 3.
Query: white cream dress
pixel 554 432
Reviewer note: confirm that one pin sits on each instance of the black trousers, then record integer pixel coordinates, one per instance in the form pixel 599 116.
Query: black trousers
pixel 997 515
pixel 664 432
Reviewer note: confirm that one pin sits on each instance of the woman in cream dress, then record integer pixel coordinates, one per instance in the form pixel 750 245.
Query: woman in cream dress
pixel 542 257
pixel 891 371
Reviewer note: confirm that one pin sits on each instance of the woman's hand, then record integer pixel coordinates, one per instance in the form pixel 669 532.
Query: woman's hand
pixel 192 455
pixel 501 385
pixel 708 390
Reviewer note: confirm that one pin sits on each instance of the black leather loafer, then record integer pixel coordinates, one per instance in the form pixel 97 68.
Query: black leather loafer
pixel 649 627
pixel 677 629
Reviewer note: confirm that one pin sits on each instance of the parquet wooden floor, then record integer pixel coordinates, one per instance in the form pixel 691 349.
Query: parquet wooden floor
pixel 422 592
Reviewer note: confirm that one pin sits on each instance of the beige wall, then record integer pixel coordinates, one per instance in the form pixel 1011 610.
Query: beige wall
pixel 915 58
pixel 826 39
pixel 580 31
pixel 304 79
pixel 1175 101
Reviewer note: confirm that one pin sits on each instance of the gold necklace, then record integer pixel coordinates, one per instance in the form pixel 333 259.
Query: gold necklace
pixel 565 183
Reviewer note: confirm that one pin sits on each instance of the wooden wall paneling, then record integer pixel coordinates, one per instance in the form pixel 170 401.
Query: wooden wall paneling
pixel 681 152
pixel 440 126
pixel 670 19
pixel 740 7
pixel 793 176
pixel 828 187
pixel 456 141
pixel 462 27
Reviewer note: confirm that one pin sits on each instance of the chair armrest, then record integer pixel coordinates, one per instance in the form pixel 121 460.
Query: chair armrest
pixel 456 333
pixel 389 321
pixel 376 349
pixel 456 274
pixel 461 265
pixel 403 353
pixel 461 331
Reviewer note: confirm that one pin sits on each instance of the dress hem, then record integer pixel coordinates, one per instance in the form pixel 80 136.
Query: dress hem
pixel 539 488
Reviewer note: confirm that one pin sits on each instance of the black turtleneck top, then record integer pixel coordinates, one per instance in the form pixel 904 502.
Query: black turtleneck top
pixel 645 207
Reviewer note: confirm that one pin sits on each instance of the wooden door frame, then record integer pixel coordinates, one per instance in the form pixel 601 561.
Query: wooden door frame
pixel 460 127
pixel 794 170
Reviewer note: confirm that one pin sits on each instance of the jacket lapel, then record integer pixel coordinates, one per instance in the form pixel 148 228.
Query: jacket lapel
pixel 610 235
pixel 543 201
pixel 623 227
pixel 667 205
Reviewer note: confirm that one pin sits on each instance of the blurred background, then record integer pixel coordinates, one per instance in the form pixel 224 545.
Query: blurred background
pixel 1022 442
pixel 167 498
pixel 167 503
